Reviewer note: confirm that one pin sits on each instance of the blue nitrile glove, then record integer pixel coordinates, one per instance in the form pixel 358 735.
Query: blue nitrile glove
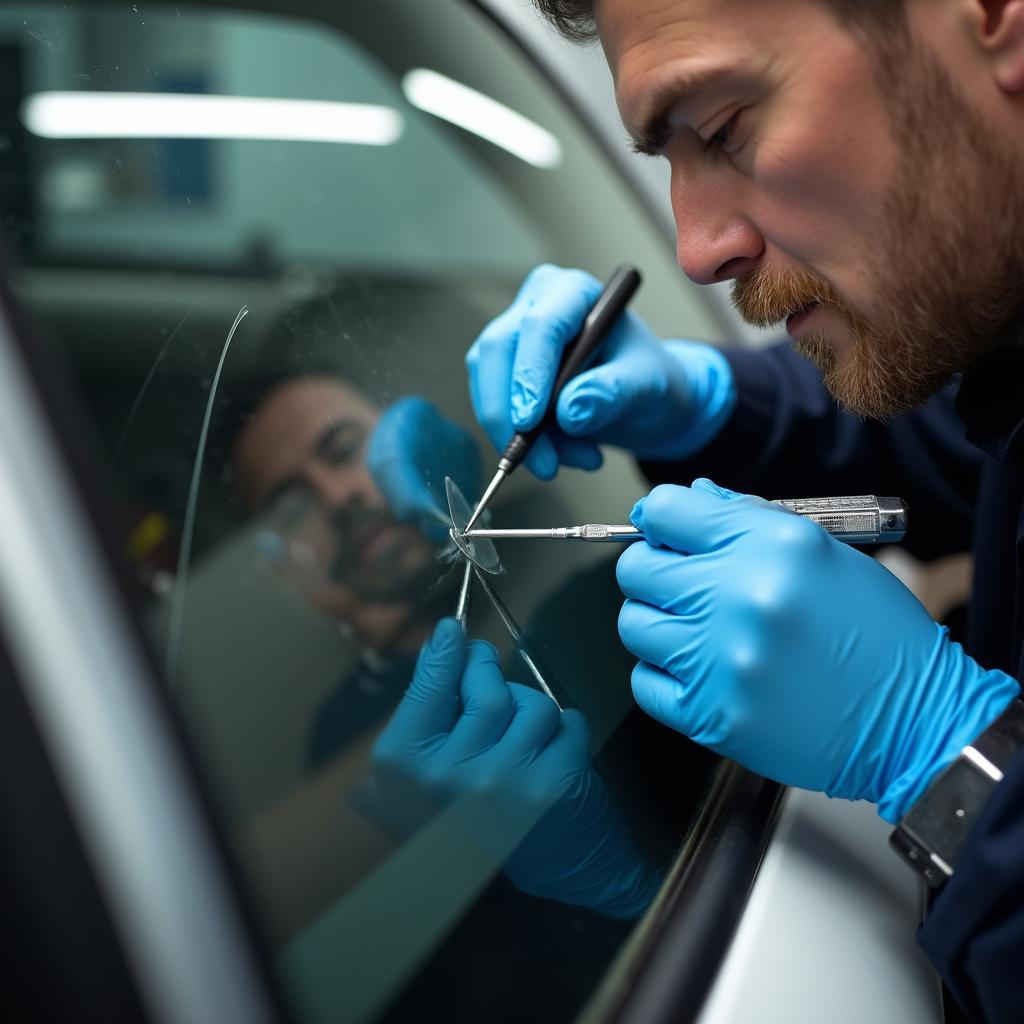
pixel 411 450
pixel 659 400
pixel 765 639
pixel 462 729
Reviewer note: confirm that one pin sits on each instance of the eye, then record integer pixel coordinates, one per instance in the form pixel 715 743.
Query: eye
pixel 341 447
pixel 341 450
pixel 720 139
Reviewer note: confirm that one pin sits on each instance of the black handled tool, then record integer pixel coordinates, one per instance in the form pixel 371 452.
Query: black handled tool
pixel 576 357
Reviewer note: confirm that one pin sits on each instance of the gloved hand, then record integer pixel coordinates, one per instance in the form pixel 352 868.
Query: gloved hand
pixel 411 450
pixel 462 729
pixel 763 638
pixel 659 400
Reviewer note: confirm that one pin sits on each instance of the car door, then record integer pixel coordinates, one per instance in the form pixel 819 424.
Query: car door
pixel 256 242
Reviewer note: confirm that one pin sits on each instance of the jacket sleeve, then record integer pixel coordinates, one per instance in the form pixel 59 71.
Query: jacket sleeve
pixel 974 933
pixel 787 438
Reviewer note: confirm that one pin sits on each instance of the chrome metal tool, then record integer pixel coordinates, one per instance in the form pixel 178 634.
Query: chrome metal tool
pixel 462 607
pixel 576 357
pixel 525 650
pixel 854 519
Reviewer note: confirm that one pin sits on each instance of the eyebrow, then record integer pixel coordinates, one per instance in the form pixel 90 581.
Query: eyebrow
pixel 654 131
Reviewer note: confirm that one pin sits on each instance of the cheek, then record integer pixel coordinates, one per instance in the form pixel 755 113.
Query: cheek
pixel 374 496
pixel 818 172
pixel 819 197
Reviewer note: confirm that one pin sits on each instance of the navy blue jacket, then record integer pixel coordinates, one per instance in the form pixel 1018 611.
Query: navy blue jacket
pixel 959 463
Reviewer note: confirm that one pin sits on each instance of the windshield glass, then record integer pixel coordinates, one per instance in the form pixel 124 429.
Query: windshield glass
pixel 263 242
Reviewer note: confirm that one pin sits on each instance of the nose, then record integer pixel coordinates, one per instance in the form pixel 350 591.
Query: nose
pixel 715 241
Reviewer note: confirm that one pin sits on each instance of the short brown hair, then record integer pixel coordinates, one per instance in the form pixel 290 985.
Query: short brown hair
pixel 574 19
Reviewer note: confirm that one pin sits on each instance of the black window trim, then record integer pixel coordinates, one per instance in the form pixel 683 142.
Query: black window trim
pixel 666 972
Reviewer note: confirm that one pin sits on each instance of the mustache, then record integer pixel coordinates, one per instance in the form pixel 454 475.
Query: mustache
pixel 768 297
pixel 355 526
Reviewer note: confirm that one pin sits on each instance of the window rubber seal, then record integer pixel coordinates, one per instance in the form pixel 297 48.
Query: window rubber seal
pixel 666 970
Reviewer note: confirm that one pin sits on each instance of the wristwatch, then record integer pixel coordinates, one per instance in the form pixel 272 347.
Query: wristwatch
pixel 933 832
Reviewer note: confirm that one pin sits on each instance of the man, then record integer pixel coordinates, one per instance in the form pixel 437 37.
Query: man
pixel 856 169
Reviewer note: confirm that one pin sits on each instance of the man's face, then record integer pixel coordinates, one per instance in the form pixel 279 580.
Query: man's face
pixel 302 461
pixel 867 204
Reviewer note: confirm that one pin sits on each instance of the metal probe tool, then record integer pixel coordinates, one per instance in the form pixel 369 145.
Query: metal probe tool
pixel 514 631
pixel 853 519
pixel 462 608
pixel 576 357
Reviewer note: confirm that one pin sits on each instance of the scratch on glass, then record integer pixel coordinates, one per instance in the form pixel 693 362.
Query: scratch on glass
pixel 137 404
pixel 58 44
pixel 355 345
pixel 514 631
pixel 181 578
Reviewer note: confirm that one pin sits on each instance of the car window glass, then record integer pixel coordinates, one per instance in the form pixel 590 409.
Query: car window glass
pixel 263 242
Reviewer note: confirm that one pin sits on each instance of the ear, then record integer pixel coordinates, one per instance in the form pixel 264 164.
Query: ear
pixel 1004 42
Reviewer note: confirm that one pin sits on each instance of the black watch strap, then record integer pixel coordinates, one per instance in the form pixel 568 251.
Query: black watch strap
pixel 933 832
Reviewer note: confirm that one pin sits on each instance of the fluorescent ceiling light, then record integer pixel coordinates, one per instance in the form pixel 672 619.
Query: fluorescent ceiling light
pixel 452 101
pixel 144 115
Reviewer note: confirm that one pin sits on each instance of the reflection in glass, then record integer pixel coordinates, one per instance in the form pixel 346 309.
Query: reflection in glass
pixel 301 457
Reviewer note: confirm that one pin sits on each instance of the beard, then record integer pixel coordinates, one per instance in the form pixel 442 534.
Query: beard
pixel 401 573
pixel 950 256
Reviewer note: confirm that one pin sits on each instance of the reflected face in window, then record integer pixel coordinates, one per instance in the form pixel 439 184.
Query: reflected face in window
pixel 301 459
